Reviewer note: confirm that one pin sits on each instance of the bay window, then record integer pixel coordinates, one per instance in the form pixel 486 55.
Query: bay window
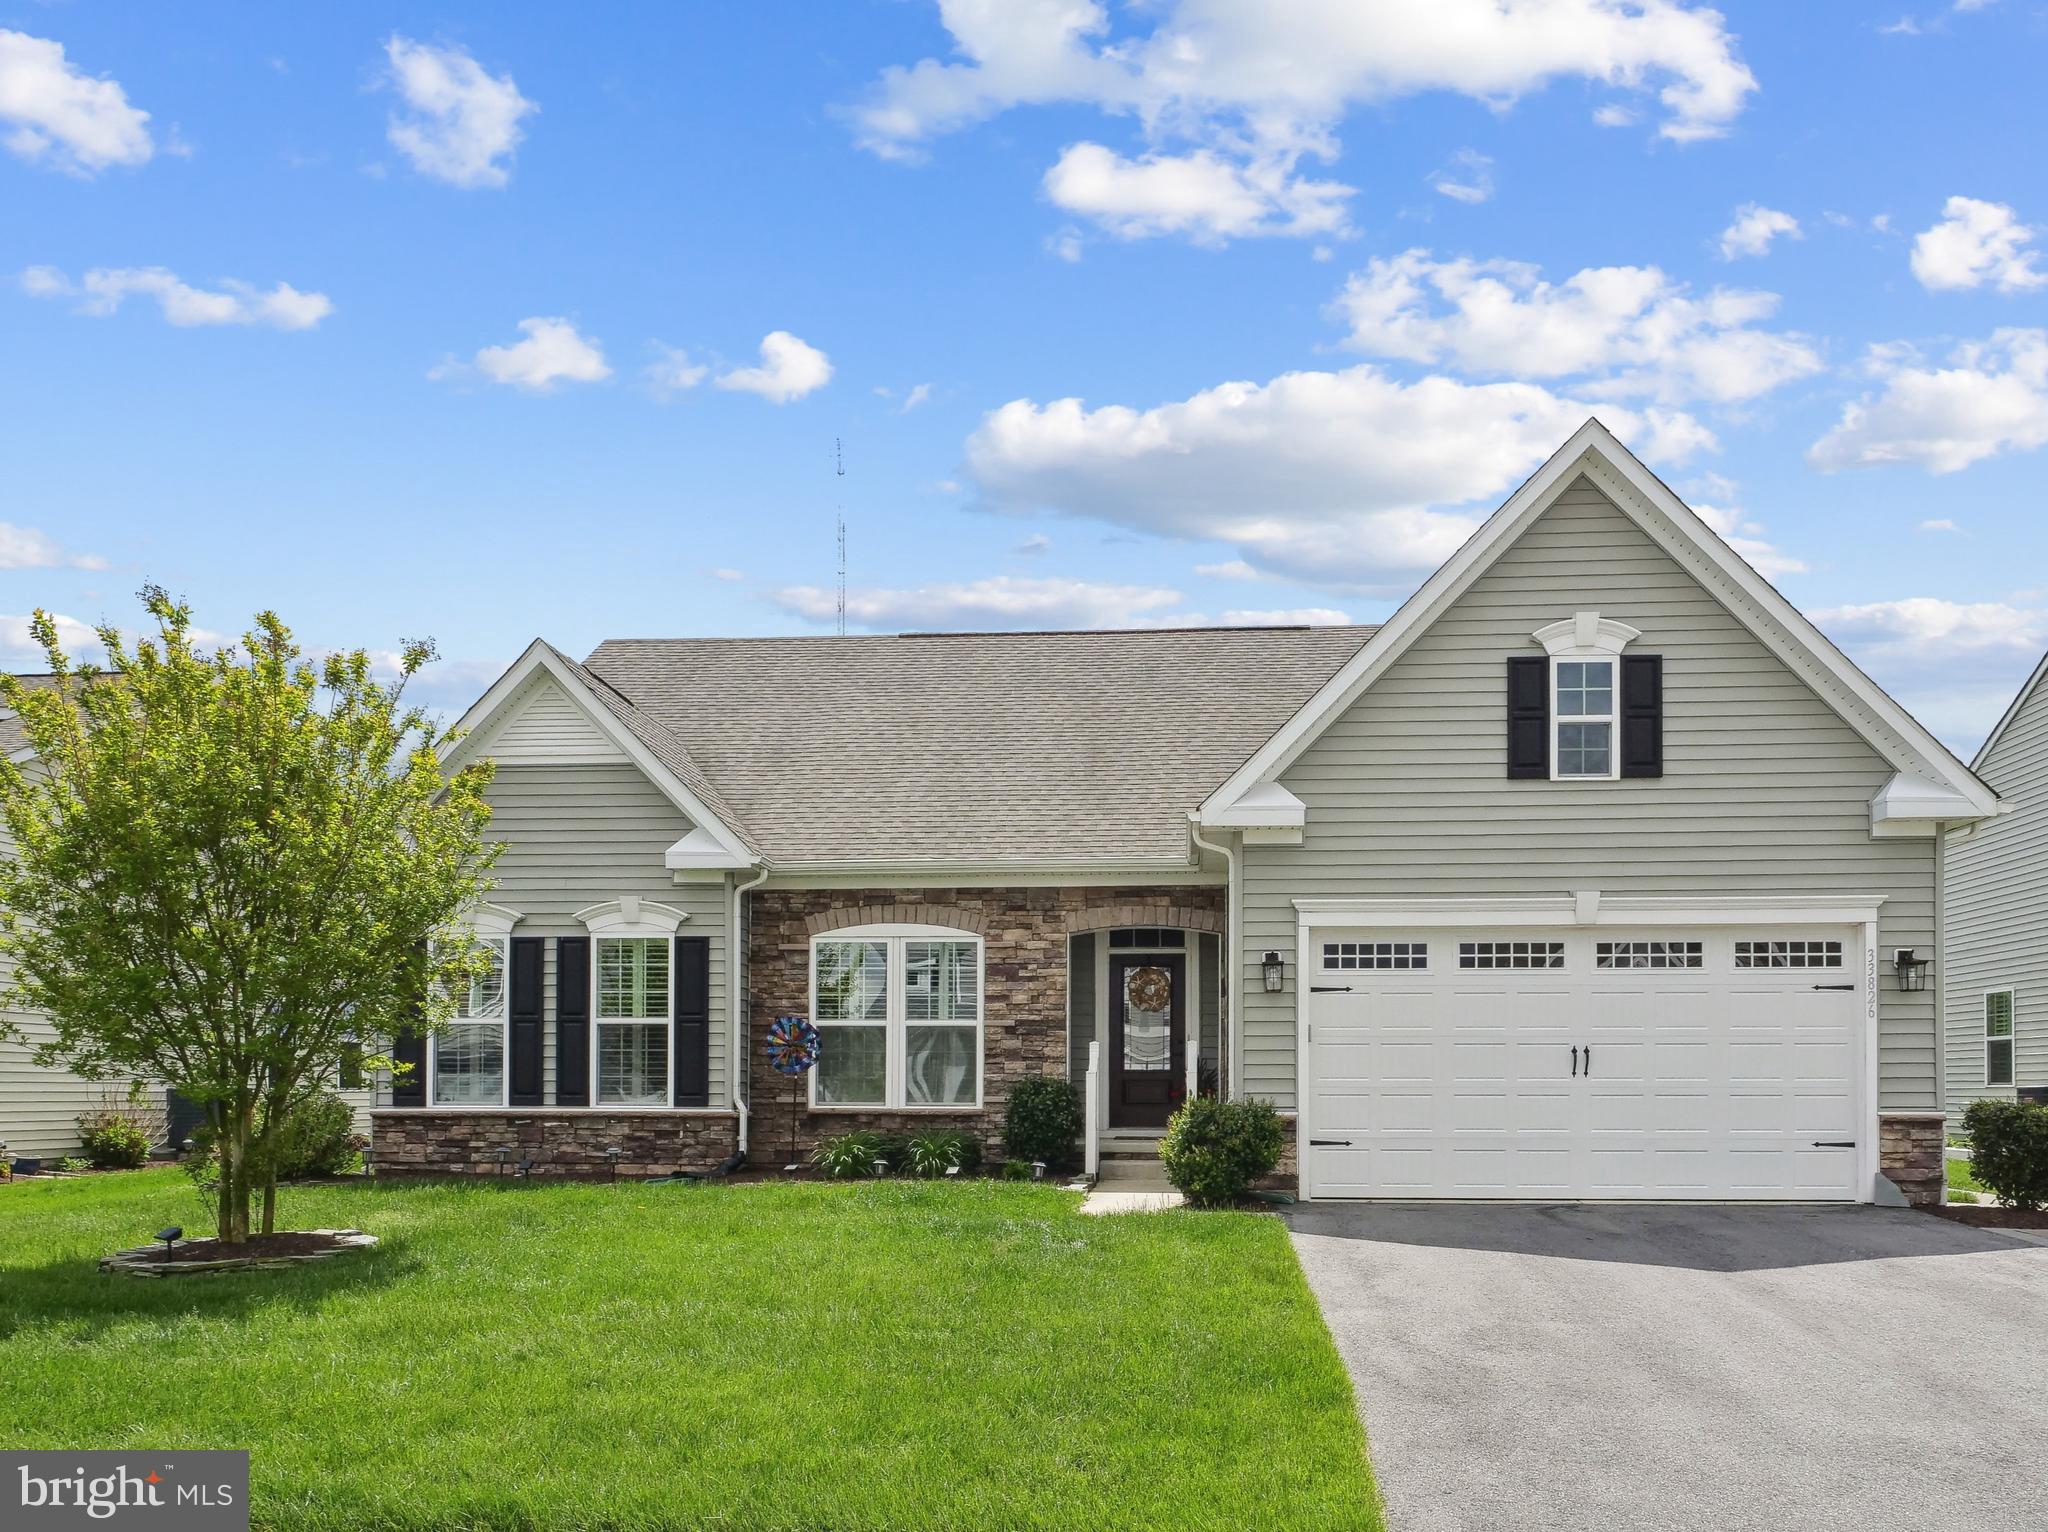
pixel 898 1011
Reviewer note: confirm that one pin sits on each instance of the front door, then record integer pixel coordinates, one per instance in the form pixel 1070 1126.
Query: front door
pixel 1147 1038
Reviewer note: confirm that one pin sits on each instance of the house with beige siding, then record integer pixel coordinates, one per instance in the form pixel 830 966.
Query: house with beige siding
pixel 1595 872
pixel 1995 988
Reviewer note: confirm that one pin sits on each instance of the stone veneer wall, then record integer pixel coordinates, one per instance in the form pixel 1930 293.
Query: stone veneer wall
pixel 1024 1005
pixel 409 1141
pixel 1912 1151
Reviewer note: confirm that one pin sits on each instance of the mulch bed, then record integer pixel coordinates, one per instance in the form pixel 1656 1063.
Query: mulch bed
pixel 1981 1216
pixel 260 1252
pixel 257 1246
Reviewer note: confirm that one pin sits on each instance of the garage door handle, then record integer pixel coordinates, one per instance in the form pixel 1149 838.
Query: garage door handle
pixel 1329 989
pixel 1589 1061
pixel 1329 1143
pixel 1575 1061
pixel 1834 986
pixel 1834 1143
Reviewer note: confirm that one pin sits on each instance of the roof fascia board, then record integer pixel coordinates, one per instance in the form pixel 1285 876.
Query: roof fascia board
pixel 540 656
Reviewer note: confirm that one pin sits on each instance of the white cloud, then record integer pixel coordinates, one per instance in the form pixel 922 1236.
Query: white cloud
pixel 1033 545
pixel 1942 524
pixel 462 123
pixel 1341 479
pixel 1468 178
pixel 730 576
pixel 1905 26
pixel 51 114
pixel 1991 398
pixel 1626 330
pixel 789 369
pixel 1975 243
pixel 672 371
pixel 551 353
pixel 27 548
pixel 1926 631
pixel 999 601
pixel 1012 603
pixel 1066 244
pixel 1202 195
pixel 1252 90
pixel 1615 115
pixel 920 393
pixel 1754 228
pixel 19 650
pixel 104 289
pixel 1229 569
pixel 1746 538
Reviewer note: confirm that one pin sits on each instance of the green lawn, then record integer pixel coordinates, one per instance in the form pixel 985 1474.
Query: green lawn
pixel 864 1356
pixel 1960 1179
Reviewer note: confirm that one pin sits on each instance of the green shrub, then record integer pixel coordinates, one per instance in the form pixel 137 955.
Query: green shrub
pixel 1214 1150
pixel 2009 1150
pixel 936 1152
pixel 112 1141
pixel 74 1162
pixel 893 1151
pixel 849 1156
pixel 1042 1121
pixel 1016 1170
pixel 318 1138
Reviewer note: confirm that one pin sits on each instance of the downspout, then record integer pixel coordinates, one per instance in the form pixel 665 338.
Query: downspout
pixel 1226 1067
pixel 1941 830
pixel 741 972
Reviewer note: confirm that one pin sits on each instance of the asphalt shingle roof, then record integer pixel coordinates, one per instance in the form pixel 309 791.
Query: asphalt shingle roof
pixel 1053 747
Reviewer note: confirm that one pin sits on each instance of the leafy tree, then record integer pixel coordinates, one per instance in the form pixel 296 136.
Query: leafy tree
pixel 231 866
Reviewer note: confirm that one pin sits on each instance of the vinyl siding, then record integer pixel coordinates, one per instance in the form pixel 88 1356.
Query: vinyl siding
pixel 544 726
pixel 1997 918
pixel 578 835
pixel 1766 790
pixel 39 1107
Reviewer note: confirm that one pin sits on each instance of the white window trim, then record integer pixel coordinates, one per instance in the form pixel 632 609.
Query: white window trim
pixel 2011 1039
pixel 895 1022
pixel 491 926
pixel 631 918
pixel 1579 639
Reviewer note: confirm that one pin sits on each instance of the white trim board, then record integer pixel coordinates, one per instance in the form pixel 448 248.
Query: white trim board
pixel 1594 451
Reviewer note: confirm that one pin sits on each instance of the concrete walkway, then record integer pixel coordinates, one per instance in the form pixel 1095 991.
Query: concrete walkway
pixel 1132 1186
pixel 1665 1369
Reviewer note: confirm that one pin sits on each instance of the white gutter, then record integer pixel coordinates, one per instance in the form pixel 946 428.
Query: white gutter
pixel 1226 1067
pixel 736 970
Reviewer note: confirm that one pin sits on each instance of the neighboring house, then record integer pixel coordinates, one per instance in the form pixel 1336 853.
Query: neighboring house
pixel 1584 876
pixel 1995 883
pixel 40 1107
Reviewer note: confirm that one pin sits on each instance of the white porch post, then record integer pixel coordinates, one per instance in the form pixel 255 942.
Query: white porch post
pixel 1091 1113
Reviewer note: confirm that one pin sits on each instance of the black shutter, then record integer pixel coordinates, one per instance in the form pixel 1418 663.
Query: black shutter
pixel 1528 716
pixel 691 986
pixel 411 1089
pixel 572 1021
pixel 528 952
pixel 1642 715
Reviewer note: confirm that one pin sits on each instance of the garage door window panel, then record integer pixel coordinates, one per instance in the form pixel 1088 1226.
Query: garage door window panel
pixel 1649 954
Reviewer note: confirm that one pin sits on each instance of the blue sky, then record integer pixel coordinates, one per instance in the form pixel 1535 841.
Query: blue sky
pixel 451 319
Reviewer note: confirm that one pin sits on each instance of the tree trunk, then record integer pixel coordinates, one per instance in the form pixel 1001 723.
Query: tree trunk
pixel 232 1224
pixel 270 1202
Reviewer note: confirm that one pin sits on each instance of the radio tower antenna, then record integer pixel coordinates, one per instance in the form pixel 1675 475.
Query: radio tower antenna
pixel 839 516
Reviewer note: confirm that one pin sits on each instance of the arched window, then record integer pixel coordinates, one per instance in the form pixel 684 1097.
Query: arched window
pixel 899 1014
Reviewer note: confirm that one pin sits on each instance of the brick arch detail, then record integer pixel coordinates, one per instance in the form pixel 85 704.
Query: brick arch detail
pixel 898 915
pixel 1104 917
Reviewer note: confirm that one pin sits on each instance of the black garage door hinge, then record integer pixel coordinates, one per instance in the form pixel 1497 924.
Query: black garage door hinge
pixel 1329 1143
pixel 1329 989
pixel 1834 986
pixel 1834 1143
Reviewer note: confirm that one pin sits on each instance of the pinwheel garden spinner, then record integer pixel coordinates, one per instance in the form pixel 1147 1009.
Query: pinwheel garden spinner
pixel 793 1051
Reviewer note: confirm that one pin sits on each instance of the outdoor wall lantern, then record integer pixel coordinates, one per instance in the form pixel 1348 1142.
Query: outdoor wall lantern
pixel 1275 971
pixel 1911 969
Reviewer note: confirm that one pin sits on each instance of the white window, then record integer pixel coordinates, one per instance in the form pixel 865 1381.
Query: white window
pixel 1998 1037
pixel 1648 954
pixel 1511 954
pixel 632 1011
pixel 632 1020
pixel 1792 954
pixel 1585 695
pixel 899 1012
pixel 1376 955
pixel 466 1058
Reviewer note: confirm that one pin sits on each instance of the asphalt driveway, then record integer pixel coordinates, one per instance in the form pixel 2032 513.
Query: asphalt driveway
pixel 1723 1368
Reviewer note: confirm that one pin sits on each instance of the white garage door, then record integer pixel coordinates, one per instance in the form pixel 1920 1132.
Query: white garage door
pixel 1546 1063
